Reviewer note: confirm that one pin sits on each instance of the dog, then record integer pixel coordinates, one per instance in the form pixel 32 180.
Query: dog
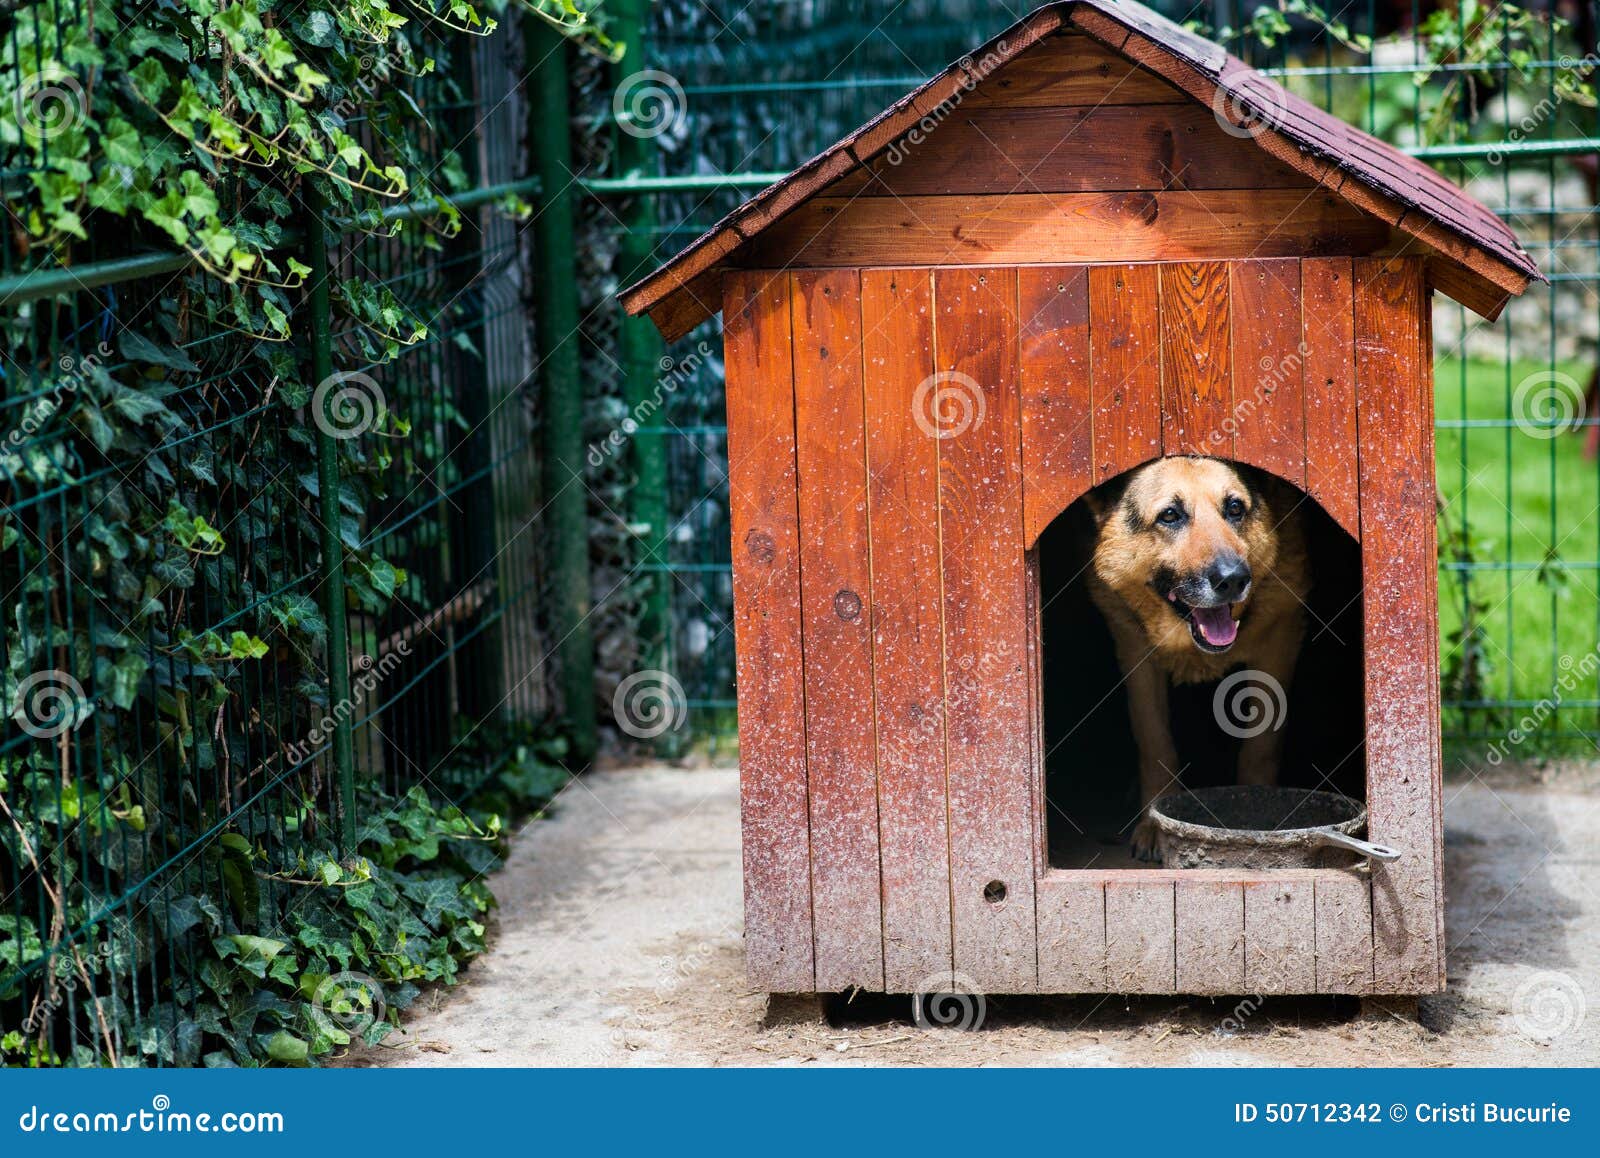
pixel 1200 568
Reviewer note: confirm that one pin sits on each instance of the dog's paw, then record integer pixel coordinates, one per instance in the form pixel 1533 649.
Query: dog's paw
pixel 1144 846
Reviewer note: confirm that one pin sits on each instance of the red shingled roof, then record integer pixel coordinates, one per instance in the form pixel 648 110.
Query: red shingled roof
pixel 1483 263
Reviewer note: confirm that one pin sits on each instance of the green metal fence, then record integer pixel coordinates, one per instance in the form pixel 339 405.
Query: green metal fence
pixel 1495 100
pixel 335 612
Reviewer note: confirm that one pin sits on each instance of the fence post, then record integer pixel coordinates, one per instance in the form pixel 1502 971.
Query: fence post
pixel 332 577
pixel 640 351
pixel 561 434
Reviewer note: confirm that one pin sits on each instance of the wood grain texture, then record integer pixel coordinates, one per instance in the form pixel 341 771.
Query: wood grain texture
pixel 1268 367
pixel 764 519
pixel 836 604
pixel 1125 366
pixel 985 616
pixel 1280 937
pixel 1395 432
pixel 1056 228
pixel 907 636
pixel 1328 330
pixel 1083 149
pixel 1072 936
pixel 1196 368
pixel 1141 953
pixel 1057 448
pixel 1210 935
pixel 1344 933
pixel 1071 70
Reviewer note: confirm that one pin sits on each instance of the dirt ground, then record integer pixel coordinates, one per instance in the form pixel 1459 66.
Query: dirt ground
pixel 618 943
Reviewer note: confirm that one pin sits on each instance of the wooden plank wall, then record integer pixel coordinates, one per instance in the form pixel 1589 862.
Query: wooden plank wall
pixel 898 439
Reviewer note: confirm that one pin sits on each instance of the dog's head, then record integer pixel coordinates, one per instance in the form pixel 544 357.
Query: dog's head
pixel 1183 541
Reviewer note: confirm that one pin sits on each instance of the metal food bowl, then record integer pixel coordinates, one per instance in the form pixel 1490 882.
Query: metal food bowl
pixel 1262 827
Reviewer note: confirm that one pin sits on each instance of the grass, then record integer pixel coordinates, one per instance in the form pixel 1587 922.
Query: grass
pixel 1519 561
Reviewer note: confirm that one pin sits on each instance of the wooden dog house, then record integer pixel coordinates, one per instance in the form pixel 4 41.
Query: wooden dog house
pixel 1095 240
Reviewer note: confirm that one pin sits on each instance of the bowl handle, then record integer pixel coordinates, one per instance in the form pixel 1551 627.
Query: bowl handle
pixel 1337 839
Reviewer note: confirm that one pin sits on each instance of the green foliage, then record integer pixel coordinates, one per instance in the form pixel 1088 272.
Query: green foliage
pixel 160 543
pixel 407 909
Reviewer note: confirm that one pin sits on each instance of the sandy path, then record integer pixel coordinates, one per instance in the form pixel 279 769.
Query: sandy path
pixel 619 944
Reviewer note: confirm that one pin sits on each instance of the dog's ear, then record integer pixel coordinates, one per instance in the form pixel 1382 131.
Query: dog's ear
pixel 1102 501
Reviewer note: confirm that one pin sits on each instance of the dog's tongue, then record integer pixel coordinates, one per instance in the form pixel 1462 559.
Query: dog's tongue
pixel 1216 625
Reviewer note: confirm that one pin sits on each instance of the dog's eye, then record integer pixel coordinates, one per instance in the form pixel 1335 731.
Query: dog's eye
pixel 1234 508
pixel 1169 516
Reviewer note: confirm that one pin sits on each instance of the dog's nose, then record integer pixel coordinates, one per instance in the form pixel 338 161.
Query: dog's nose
pixel 1229 577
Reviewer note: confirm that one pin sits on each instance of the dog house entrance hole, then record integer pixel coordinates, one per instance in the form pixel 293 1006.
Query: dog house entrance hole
pixel 1090 753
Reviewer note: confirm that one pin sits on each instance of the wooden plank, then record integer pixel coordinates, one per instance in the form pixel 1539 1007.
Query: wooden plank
pixel 766 615
pixel 1210 935
pixel 907 637
pixel 1081 149
pixel 836 606
pixel 1196 367
pixel 1072 936
pixel 1055 228
pixel 1125 366
pixel 1141 952
pixel 1395 431
pixel 1057 452
pixel 1268 367
pixel 985 616
pixel 1280 939
pixel 1344 933
pixel 1328 332
pixel 1071 70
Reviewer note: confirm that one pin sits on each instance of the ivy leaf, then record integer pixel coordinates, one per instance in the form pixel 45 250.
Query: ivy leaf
pixel 284 1046
pixel 138 348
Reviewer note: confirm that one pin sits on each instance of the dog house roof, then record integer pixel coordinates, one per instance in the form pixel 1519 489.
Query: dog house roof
pixel 1473 256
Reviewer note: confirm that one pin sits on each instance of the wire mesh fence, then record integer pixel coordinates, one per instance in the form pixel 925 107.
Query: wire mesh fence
pixel 1500 99
pixel 181 835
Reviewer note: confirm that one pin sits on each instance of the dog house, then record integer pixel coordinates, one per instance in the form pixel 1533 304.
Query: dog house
pixel 1096 240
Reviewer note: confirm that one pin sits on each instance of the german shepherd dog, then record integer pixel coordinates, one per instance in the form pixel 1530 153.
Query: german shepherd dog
pixel 1199 567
